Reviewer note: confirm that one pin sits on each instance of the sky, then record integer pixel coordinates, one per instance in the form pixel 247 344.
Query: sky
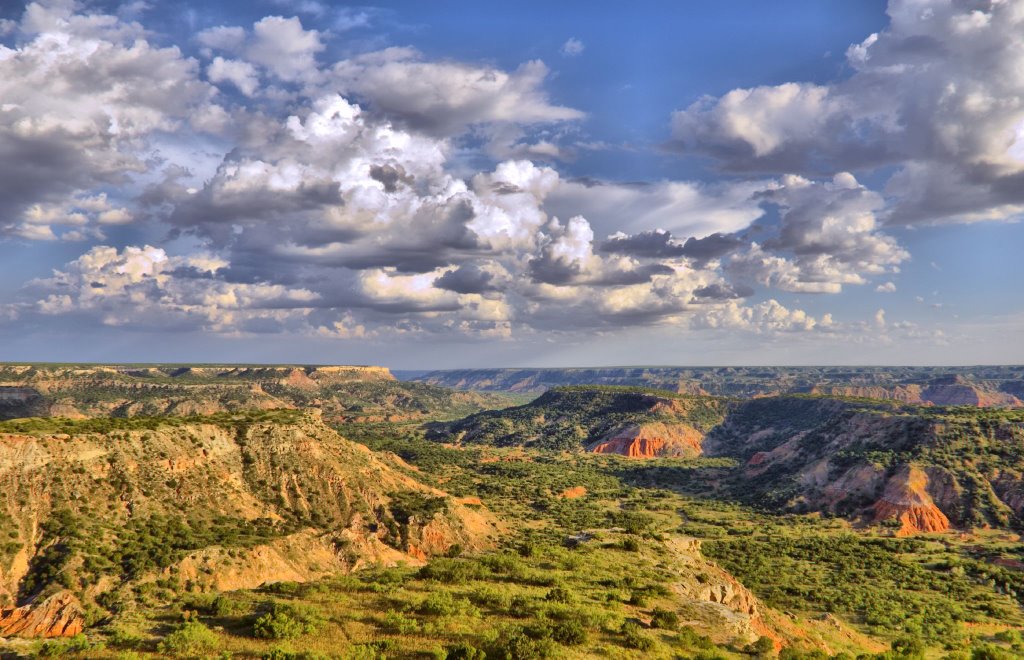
pixel 457 184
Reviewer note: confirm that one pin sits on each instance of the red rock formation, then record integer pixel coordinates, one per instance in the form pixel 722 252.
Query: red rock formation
pixel 906 499
pixel 651 440
pixel 60 615
pixel 632 447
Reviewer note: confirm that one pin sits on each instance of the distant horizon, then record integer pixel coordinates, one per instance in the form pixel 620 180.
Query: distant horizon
pixel 393 369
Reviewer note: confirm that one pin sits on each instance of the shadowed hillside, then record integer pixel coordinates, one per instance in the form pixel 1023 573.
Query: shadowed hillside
pixel 634 422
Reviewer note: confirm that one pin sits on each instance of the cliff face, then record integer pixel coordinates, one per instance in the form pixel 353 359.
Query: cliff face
pixel 959 391
pixel 225 503
pixel 59 615
pixel 906 500
pixel 651 440
pixel 902 393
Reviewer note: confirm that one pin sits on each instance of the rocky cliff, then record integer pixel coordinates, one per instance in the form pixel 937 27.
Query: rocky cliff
pixel 60 615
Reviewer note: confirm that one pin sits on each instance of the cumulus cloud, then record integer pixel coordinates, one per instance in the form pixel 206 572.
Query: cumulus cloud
pixel 335 198
pixel 446 98
pixel 939 94
pixel 242 75
pixel 763 318
pixel 827 236
pixel 144 286
pixel 681 207
pixel 280 46
pixel 81 98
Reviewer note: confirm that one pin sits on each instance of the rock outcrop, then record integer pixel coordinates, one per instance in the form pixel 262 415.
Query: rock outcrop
pixel 959 391
pixel 906 500
pixel 60 615
pixel 651 440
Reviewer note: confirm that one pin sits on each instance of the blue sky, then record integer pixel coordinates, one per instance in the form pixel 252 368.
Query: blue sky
pixel 431 185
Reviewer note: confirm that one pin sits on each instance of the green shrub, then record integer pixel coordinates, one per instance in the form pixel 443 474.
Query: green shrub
pixel 514 643
pixel 638 598
pixel 691 639
pixel 762 647
pixel 190 638
pixel 664 619
pixel 498 599
pixel 443 603
pixel 521 607
pixel 569 633
pixel 376 650
pixel 633 637
pixel 451 571
pixel 285 621
pixel 400 624
pixel 991 652
pixel 560 595
pixel 76 645
pixel 463 652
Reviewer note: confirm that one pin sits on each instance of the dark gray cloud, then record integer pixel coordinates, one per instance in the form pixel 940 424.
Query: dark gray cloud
pixel 723 292
pixel 468 278
pixel 655 244
pixel 711 246
pixel 390 176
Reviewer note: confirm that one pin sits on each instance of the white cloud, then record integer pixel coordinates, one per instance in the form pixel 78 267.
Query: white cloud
pixel 939 94
pixel 446 98
pixel 223 37
pixel 573 47
pixel 142 287
pixel 314 213
pixel 828 236
pixel 240 74
pixel 887 287
pixel 683 207
pixel 284 48
pixel 82 96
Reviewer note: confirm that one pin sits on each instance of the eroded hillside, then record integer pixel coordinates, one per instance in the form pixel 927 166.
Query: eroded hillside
pixel 114 511
pixel 917 469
